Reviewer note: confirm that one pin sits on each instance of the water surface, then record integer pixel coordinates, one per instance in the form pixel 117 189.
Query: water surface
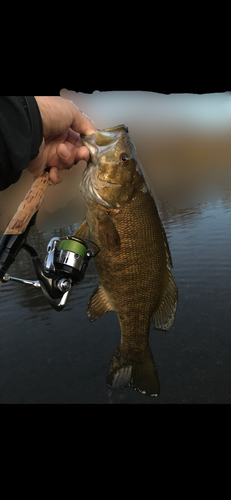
pixel 50 357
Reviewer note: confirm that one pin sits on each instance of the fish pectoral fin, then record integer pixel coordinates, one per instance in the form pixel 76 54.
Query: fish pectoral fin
pixel 98 304
pixel 164 315
pixel 134 370
pixel 83 230
pixel 108 233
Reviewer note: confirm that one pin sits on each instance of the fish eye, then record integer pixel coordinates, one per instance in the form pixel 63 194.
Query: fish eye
pixel 124 158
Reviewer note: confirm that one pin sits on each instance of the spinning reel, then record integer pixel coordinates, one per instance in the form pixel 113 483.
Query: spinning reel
pixel 67 258
pixel 65 265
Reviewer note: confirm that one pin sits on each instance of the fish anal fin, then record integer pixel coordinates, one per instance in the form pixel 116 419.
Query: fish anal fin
pixel 163 317
pixel 83 230
pixel 136 371
pixel 98 304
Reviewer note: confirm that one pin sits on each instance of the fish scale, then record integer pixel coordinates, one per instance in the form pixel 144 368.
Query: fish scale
pixel 145 253
pixel 134 262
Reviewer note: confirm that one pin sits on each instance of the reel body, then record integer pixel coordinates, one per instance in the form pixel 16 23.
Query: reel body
pixel 65 265
pixel 68 257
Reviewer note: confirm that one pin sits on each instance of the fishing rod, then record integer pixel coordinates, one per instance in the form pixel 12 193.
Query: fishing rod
pixel 67 259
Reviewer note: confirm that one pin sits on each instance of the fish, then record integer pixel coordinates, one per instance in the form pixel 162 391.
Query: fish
pixel 134 262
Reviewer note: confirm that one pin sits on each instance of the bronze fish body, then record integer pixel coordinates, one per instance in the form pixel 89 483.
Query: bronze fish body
pixel 134 262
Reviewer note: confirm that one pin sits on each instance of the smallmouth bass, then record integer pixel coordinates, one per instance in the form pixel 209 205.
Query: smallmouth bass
pixel 134 263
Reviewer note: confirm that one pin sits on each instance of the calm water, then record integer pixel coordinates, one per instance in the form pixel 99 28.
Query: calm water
pixel 50 357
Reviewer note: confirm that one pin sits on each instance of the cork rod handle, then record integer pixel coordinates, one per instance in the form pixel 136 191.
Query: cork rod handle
pixel 29 206
pixel 16 230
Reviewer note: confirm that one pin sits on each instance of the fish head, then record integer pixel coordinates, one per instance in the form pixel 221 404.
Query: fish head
pixel 113 173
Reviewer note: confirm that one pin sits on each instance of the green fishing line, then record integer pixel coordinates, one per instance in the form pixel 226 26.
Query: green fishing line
pixel 73 246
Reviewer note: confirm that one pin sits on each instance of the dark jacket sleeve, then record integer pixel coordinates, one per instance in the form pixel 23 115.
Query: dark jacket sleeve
pixel 21 134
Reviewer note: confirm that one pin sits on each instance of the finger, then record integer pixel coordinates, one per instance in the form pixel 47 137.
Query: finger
pixel 81 153
pixel 63 153
pixel 68 157
pixel 54 176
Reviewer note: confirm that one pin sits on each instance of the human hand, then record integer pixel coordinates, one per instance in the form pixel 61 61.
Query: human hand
pixel 62 146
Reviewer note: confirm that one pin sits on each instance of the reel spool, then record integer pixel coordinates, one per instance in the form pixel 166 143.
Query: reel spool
pixel 69 257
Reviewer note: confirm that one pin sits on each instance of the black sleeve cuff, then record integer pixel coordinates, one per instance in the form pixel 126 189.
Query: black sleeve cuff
pixel 33 112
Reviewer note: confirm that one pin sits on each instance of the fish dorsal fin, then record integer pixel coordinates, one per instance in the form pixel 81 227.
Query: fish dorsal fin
pixel 164 315
pixel 83 230
pixel 98 304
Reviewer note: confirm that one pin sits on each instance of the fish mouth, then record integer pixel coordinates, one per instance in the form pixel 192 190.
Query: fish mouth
pixel 103 141
pixel 100 143
pixel 97 147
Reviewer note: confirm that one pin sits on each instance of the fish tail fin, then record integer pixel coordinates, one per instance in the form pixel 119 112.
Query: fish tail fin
pixel 136 371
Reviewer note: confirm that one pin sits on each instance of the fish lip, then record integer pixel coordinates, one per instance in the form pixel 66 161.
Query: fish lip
pixel 87 141
pixel 109 132
pixel 85 137
pixel 97 151
pixel 92 150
